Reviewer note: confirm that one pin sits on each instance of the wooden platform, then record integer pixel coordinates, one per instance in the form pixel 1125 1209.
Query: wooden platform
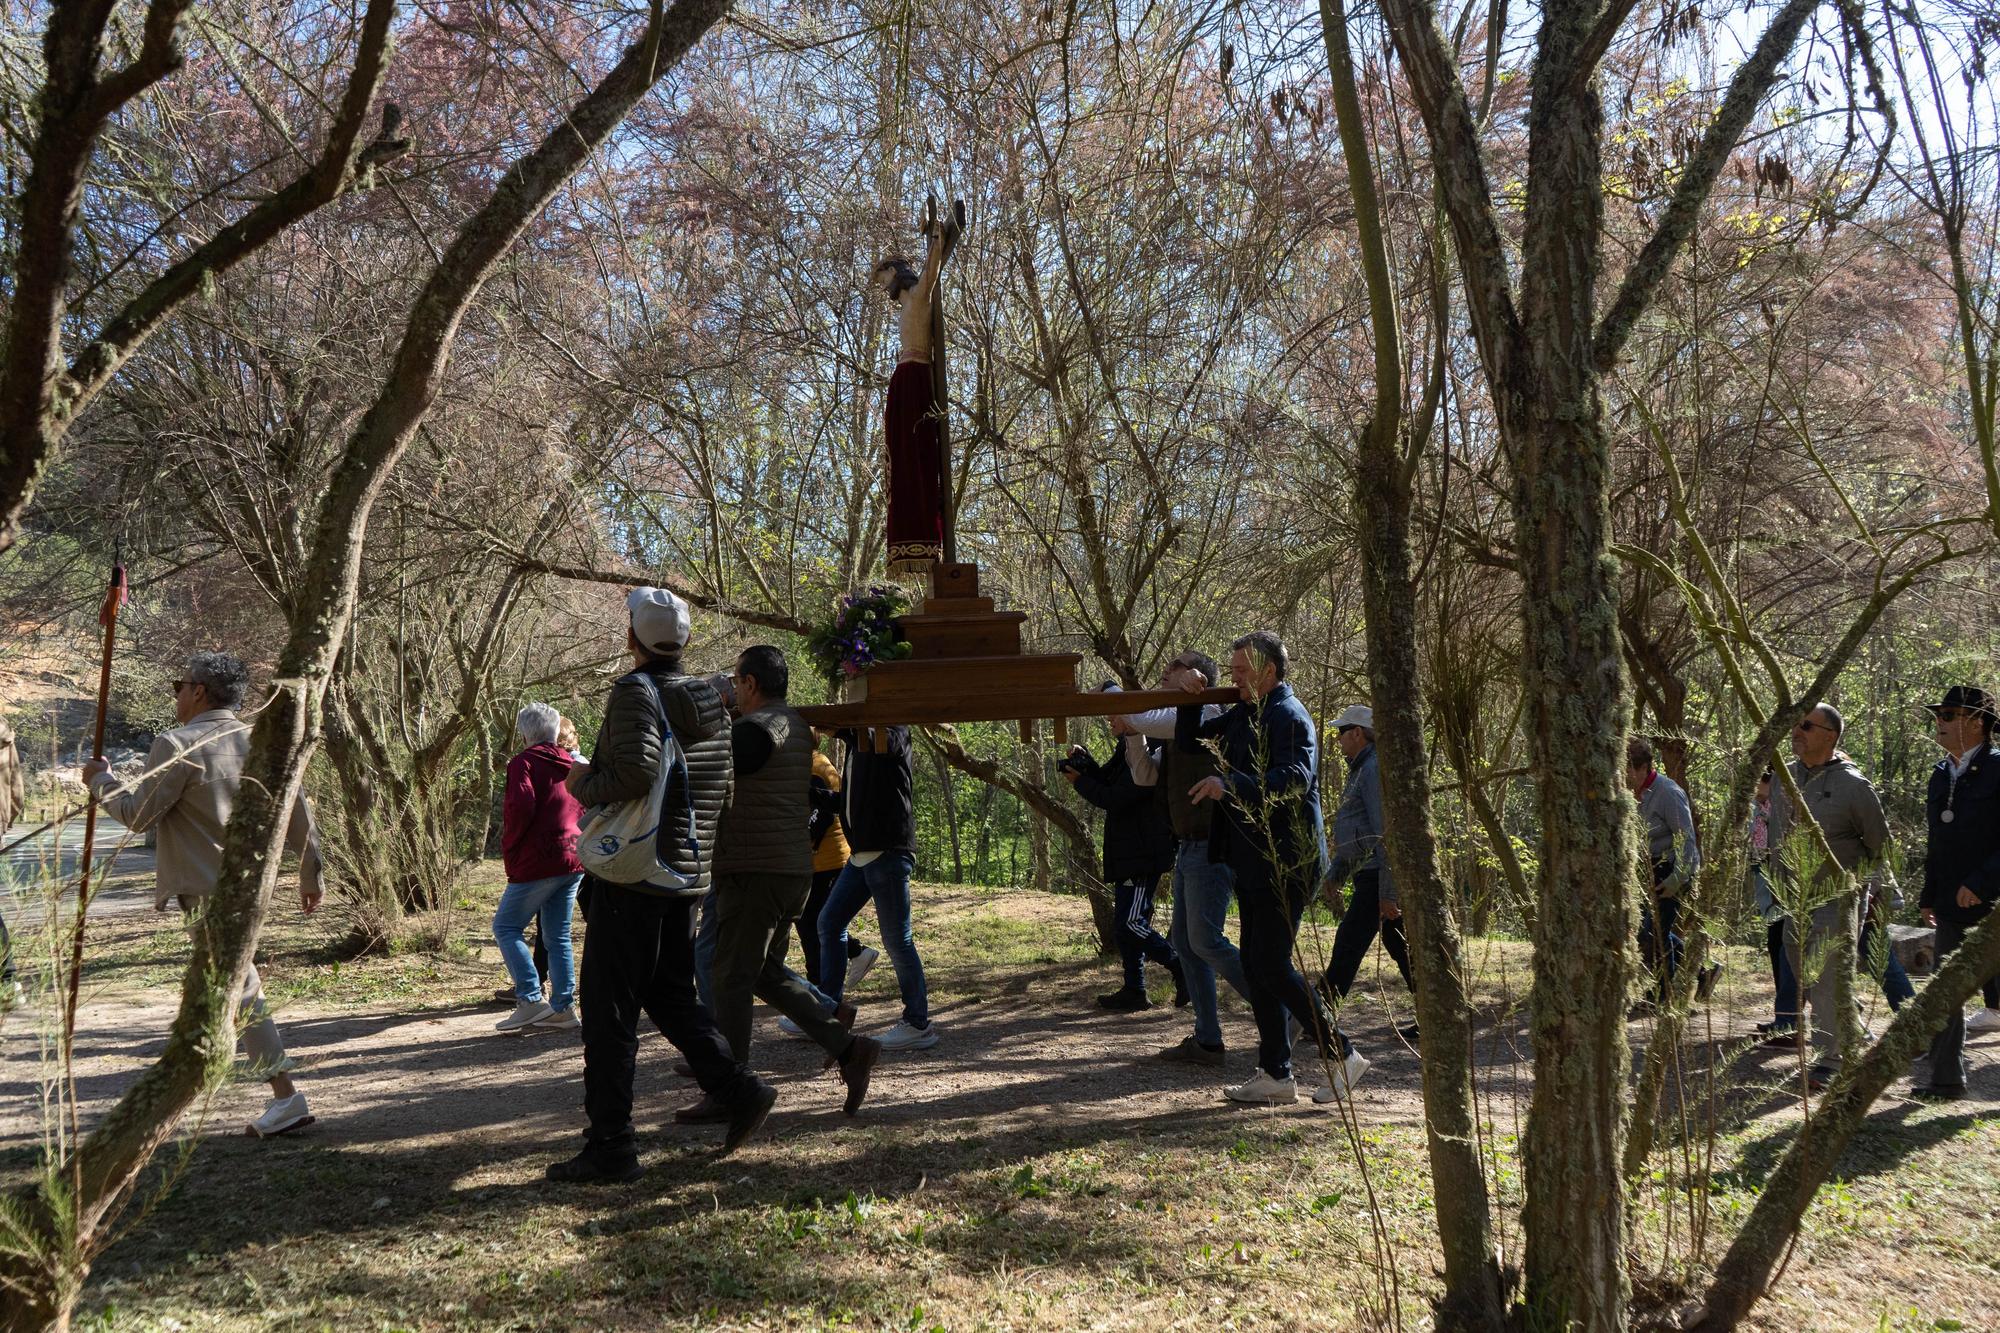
pixel 966 665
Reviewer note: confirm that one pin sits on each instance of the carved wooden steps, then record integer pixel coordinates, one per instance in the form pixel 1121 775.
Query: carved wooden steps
pixel 966 665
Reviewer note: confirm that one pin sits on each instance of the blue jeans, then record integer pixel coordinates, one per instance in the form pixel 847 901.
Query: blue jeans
pixel 886 881
pixel 1785 1010
pixel 552 899
pixel 1202 893
pixel 704 951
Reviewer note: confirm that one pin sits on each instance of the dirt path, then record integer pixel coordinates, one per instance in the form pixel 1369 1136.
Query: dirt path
pixel 1039 1157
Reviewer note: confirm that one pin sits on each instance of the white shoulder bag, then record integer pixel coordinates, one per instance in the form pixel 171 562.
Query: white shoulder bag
pixel 621 843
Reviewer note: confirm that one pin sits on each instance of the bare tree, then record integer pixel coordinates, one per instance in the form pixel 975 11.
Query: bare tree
pixel 105 1166
pixel 41 390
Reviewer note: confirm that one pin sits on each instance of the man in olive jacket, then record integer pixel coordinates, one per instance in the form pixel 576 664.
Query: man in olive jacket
pixel 763 877
pixel 1962 869
pixel 638 950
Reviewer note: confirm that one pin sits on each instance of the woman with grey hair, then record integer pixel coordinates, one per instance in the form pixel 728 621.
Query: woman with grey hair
pixel 538 833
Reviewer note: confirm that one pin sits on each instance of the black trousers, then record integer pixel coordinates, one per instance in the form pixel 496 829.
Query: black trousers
pixel 1948 1047
pixel 807 926
pixel 1358 930
pixel 1669 959
pixel 1270 913
pixel 1132 906
pixel 638 956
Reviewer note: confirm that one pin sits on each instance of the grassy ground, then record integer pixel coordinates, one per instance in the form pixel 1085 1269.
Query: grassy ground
pixel 1035 1170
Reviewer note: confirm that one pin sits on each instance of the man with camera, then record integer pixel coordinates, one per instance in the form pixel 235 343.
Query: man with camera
pixel 1138 849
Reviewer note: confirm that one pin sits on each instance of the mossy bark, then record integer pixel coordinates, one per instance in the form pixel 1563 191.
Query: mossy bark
pixel 1473 1297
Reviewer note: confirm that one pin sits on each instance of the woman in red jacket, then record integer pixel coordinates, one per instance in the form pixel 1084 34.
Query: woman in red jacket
pixel 538 832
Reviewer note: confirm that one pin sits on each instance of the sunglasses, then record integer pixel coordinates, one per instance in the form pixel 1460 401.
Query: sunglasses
pixel 180 685
pixel 1812 726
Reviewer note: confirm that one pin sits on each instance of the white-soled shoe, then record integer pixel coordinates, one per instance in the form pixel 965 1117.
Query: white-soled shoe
pixel 558 1020
pixel 1263 1090
pixel 1983 1020
pixel 526 1012
pixel 857 967
pixel 1345 1075
pixel 903 1037
pixel 282 1115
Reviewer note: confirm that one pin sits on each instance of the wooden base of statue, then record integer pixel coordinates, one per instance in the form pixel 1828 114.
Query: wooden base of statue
pixel 966 665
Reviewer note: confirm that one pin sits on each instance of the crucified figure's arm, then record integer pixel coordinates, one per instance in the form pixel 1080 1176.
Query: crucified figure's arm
pixel 916 295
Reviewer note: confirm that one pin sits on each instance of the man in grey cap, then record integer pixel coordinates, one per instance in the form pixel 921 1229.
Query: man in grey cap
pixel 187 794
pixel 638 950
pixel 1358 858
pixel 1844 805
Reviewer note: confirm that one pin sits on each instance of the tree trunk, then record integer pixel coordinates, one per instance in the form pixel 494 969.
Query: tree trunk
pixel 1472 1297
pixel 1584 918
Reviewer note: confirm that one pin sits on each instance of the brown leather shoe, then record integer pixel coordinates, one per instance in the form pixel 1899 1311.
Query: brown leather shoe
pixel 707 1111
pixel 855 1068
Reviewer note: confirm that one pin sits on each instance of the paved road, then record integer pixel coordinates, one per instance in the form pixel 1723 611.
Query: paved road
pixel 60 851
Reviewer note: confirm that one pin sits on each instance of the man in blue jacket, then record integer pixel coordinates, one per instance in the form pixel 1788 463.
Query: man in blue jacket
pixel 1268 830
pixel 1962 868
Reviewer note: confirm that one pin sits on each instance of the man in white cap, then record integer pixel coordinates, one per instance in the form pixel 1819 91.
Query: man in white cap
pixel 638 950
pixel 1358 859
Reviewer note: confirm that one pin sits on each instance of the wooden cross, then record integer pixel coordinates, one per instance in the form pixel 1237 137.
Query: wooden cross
pixel 952 226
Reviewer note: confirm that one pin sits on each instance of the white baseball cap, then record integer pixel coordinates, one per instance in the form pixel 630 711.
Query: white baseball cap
pixel 1355 715
pixel 659 619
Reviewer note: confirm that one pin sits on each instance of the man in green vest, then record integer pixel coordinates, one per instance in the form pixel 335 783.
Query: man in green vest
pixel 763 876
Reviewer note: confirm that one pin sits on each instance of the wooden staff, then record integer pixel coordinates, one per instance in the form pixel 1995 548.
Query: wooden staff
pixel 107 616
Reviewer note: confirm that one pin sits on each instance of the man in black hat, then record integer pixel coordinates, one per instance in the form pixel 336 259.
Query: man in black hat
pixel 1962 867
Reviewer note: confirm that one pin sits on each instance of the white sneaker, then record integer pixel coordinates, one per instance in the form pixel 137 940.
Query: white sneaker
pixel 1345 1077
pixel 789 1028
pixel 558 1020
pixel 280 1115
pixel 1985 1020
pixel 525 1013
pixel 857 967
pixel 1263 1090
pixel 903 1037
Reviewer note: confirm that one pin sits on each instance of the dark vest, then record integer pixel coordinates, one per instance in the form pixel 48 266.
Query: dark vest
pixel 764 828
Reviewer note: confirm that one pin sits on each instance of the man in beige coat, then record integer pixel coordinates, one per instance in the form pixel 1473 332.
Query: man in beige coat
pixel 187 793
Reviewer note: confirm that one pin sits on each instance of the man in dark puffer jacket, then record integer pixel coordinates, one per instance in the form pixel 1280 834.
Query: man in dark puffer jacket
pixel 638 949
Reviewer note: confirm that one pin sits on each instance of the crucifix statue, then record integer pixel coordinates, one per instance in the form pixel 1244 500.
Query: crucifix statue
pixel 920 526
